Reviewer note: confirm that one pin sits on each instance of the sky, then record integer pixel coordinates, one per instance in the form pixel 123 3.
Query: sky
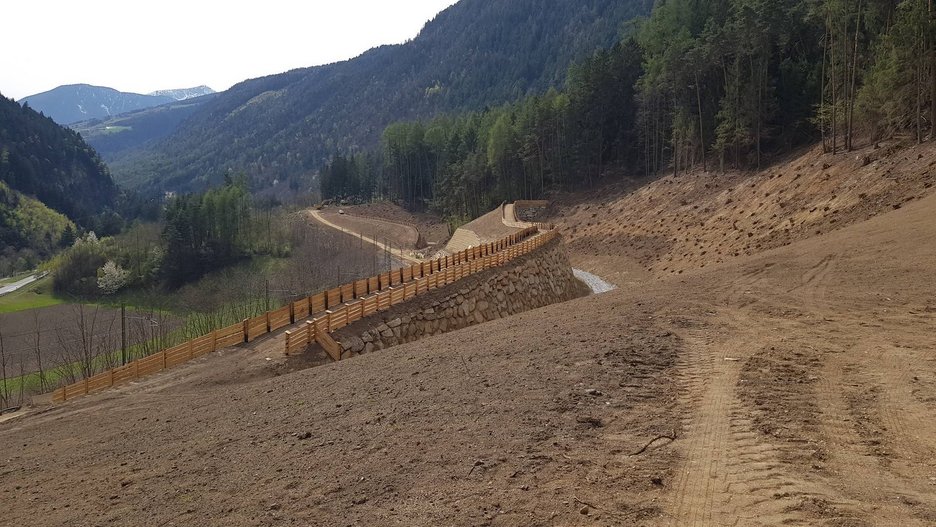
pixel 142 47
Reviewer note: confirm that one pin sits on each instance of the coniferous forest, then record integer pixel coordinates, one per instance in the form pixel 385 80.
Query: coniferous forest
pixel 720 84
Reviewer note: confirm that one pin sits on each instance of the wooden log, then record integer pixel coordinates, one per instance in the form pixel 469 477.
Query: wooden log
pixel 370 305
pixel 360 288
pixel 396 296
pixel 383 300
pixel 338 318
pixel 332 348
pixel 333 297
pixel 230 336
pixel 355 311
pixel 278 318
pixel 317 303
pixel 300 309
pixel 347 293
pixel 203 345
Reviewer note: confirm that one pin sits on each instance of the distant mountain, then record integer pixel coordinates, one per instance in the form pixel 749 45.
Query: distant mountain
pixel 284 127
pixel 50 179
pixel 183 93
pixel 79 102
pixel 114 136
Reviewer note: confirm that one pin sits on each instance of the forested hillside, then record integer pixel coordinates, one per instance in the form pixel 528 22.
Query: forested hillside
pixel 718 84
pixel 282 128
pixel 113 136
pixel 44 166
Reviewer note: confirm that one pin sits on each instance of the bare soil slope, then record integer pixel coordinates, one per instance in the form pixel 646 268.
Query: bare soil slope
pixel 702 219
pixel 432 228
pixel 796 386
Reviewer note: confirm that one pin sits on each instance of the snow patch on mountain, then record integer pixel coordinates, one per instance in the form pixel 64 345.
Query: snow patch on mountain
pixel 182 94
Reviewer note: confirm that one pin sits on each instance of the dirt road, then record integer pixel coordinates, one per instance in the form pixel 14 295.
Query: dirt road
pixel 384 231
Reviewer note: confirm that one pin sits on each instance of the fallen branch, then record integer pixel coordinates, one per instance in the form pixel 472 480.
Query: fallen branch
pixel 671 437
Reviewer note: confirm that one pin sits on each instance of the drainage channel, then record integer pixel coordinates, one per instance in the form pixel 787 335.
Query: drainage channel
pixel 596 284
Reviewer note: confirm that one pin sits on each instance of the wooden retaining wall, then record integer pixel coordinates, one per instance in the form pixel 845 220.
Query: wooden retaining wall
pixel 335 309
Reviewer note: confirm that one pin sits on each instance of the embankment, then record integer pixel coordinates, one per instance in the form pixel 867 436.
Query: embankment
pixel 538 279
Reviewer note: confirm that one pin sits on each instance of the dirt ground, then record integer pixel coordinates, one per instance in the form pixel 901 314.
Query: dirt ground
pixel 794 384
pixel 387 232
pixel 433 228
pixel 490 226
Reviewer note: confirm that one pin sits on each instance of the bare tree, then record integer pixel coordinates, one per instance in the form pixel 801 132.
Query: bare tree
pixel 4 390
pixel 22 384
pixel 38 352
pixel 82 345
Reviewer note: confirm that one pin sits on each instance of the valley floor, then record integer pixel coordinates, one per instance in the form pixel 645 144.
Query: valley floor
pixel 795 385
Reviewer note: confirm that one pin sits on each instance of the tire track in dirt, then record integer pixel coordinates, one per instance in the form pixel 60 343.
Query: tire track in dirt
pixel 730 474
pixel 886 427
pixel 734 472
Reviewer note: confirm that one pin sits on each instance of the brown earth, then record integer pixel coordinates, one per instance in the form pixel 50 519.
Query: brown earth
pixel 795 385
pixel 389 233
pixel 490 226
pixel 694 220
pixel 432 228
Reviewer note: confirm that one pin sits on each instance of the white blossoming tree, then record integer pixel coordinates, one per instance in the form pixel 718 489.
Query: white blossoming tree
pixel 111 278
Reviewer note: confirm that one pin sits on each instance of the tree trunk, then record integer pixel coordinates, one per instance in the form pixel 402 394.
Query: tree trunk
pixel 5 393
pixel 919 99
pixel 854 75
pixel 932 57
pixel 845 92
pixel 822 90
pixel 832 81
pixel 701 131
pixel 761 80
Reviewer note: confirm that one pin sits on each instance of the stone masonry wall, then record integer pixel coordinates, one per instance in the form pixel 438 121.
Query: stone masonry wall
pixel 535 280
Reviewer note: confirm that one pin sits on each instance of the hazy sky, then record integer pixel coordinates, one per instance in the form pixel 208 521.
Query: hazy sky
pixel 145 46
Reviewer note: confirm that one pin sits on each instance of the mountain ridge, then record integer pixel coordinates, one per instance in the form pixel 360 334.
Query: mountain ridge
pixel 73 103
pixel 283 127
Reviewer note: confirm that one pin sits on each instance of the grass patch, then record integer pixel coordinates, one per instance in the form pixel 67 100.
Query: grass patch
pixel 107 130
pixel 35 295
